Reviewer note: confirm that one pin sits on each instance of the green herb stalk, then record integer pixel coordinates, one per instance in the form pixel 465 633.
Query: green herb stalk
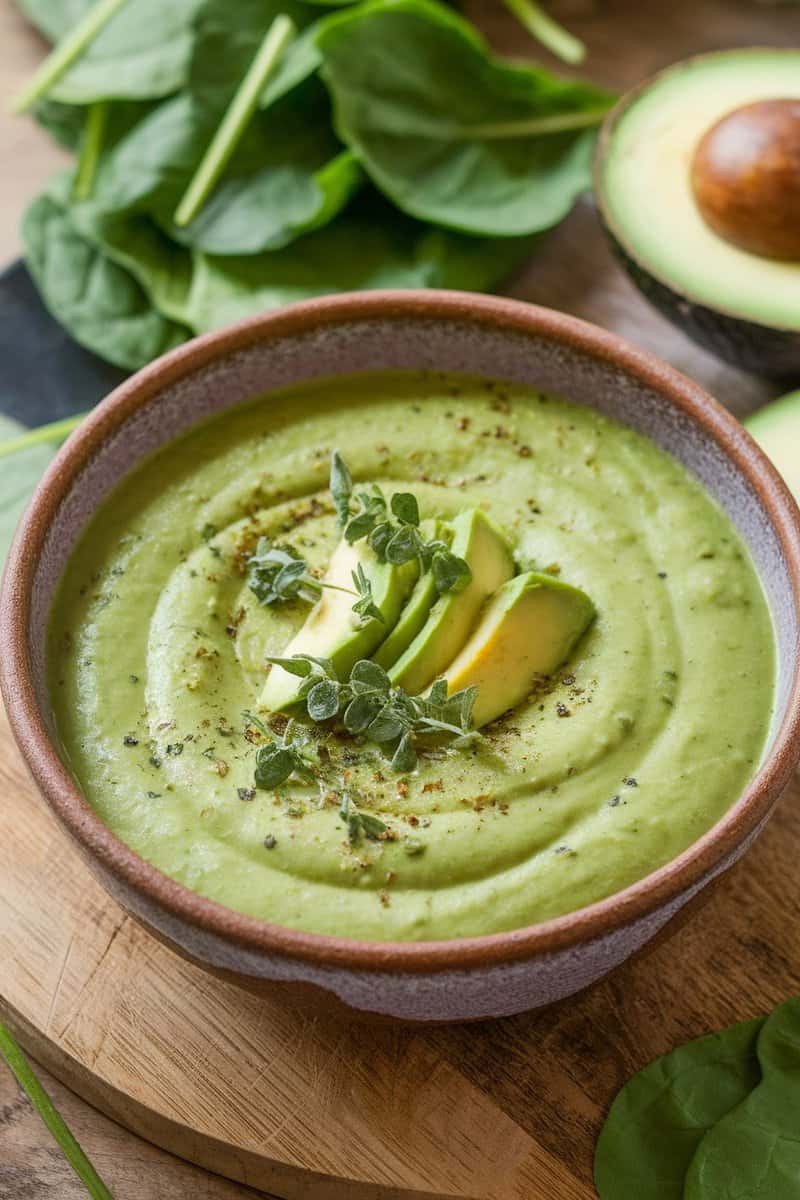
pixel 547 31
pixel 244 103
pixel 66 52
pixel 533 127
pixel 55 431
pixel 91 149
pixel 44 1106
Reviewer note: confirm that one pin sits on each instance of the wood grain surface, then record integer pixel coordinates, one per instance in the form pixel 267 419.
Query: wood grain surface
pixel 299 1107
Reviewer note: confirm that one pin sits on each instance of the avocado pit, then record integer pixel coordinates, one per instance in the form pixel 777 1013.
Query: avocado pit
pixel 745 177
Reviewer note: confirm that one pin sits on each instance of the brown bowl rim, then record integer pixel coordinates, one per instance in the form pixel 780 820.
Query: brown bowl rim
pixel 130 871
pixel 606 136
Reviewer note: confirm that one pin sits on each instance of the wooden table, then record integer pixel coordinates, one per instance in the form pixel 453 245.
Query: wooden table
pixel 628 39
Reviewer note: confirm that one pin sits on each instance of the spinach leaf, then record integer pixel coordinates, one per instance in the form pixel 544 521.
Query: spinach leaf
pixel 139 247
pixel 64 122
pixel 661 1115
pixel 449 132
pixel 95 299
pixel 269 208
pixel 366 247
pixel 18 478
pixel 754 1151
pixel 288 174
pixel 142 53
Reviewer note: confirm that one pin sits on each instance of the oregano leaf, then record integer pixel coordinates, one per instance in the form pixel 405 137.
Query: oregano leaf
pixel 274 765
pixel 373 827
pixel 323 700
pixel 450 573
pixel 371 675
pixel 361 712
pixel 404 758
pixel 405 508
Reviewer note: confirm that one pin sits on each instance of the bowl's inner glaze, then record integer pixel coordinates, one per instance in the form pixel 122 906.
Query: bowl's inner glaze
pixel 413 343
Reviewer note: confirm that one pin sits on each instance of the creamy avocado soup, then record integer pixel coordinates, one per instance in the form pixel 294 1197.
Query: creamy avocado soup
pixel 610 762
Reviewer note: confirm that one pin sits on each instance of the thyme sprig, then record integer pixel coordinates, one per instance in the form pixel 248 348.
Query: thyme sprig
pixel 392 528
pixel 276 573
pixel 371 707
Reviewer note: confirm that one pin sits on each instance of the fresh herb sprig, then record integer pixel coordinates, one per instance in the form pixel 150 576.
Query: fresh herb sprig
pixel 292 754
pixel 370 707
pixel 359 823
pixel 283 754
pixel 278 573
pixel 392 529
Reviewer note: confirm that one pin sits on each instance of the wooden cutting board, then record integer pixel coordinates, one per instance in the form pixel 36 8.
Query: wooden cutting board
pixel 306 1108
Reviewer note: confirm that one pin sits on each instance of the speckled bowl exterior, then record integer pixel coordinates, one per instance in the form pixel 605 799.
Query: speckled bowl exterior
pixel 461 979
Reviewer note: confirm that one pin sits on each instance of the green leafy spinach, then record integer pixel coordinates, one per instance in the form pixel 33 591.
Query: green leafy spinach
pixel 754 1149
pixel 142 53
pixel 660 1117
pixel 448 131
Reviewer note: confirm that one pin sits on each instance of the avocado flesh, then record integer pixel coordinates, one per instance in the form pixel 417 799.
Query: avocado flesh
pixel 776 428
pixel 417 607
pixel 644 191
pixel 527 630
pixel 454 614
pixel 332 630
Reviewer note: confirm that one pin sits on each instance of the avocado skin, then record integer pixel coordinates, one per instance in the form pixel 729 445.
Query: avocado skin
pixel 759 349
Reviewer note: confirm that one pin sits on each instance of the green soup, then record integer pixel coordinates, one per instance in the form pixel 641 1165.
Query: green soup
pixel 637 746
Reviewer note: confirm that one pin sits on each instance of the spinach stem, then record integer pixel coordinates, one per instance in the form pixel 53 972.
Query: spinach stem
pixel 52 1118
pixel 558 123
pixel 242 106
pixel 91 149
pixel 547 31
pixel 65 53
pixel 56 431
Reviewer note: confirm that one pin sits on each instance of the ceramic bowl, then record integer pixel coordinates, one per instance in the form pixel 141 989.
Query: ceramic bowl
pixel 464 979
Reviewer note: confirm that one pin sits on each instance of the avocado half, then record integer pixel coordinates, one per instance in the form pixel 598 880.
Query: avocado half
pixel 776 428
pixel 742 307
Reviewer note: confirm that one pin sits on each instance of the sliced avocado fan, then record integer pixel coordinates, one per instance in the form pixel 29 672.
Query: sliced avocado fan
pixel 332 630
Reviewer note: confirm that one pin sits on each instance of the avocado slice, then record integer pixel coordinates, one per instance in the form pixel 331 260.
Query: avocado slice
pixel 332 630
pixel 776 428
pixel 743 306
pixel 417 607
pixel 529 627
pixel 452 617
